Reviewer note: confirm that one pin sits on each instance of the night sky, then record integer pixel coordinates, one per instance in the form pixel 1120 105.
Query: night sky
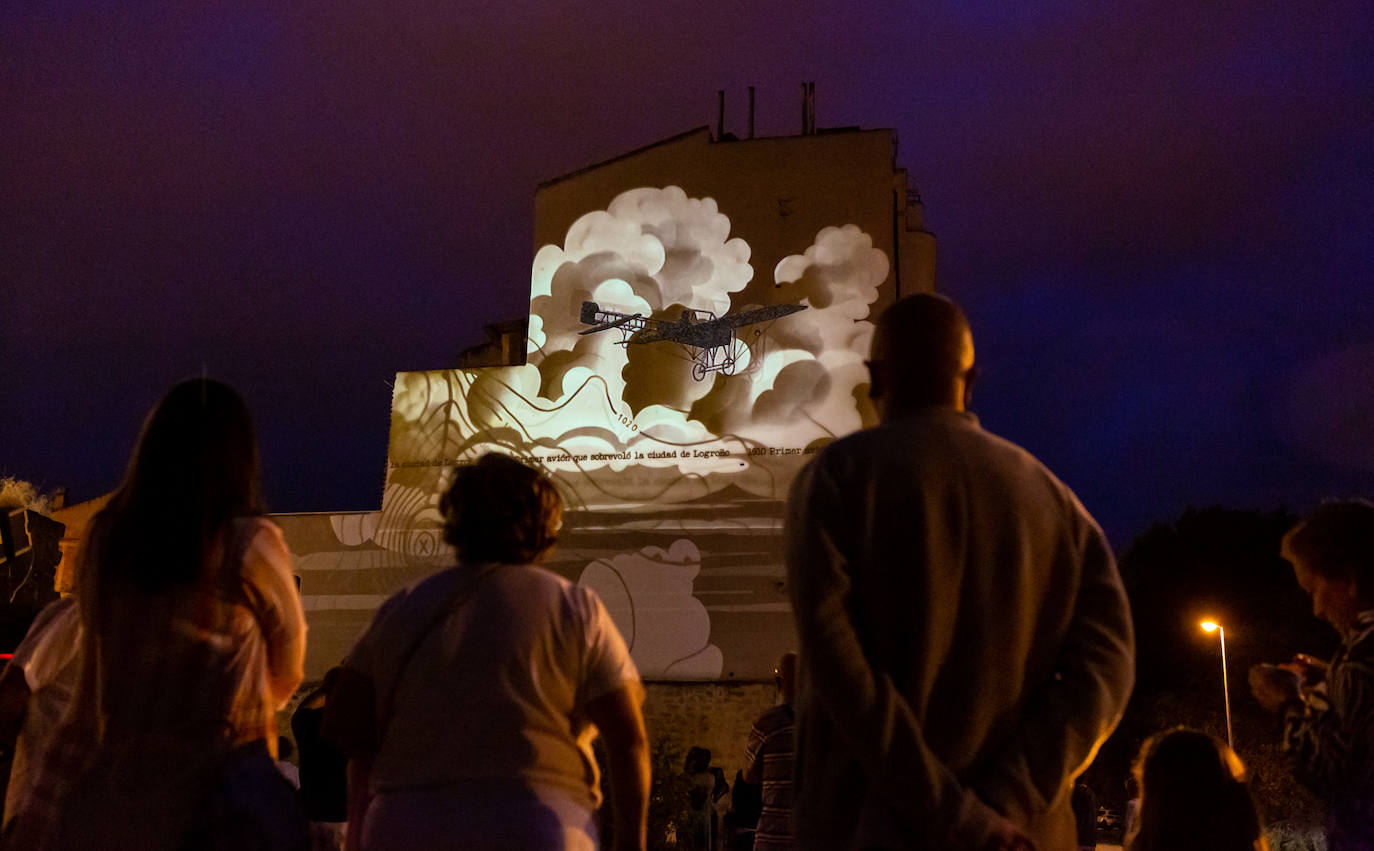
pixel 1158 216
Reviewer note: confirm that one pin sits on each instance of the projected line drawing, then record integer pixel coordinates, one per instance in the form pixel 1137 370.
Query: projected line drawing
pixel 649 593
pixel 713 341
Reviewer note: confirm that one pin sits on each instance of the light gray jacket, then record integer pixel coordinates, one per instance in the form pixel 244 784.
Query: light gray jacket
pixel 966 642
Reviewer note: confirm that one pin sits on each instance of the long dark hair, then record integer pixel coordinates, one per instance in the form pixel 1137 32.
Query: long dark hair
pixel 194 470
pixel 1193 796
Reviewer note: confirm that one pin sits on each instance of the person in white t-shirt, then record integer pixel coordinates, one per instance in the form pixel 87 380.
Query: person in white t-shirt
pixel 469 707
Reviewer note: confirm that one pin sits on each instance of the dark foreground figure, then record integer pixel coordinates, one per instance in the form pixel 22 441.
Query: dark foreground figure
pixel 1193 797
pixel 467 708
pixel 966 643
pixel 190 637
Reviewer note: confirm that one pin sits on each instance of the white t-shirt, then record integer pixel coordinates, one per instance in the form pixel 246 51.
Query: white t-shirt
pixel 497 689
pixel 49 657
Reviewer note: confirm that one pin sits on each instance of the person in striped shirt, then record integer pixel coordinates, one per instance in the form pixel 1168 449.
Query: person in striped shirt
pixel 770 758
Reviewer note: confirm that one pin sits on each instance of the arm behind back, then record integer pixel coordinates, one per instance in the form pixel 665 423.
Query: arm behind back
pixel 619 718
pixel 1074 712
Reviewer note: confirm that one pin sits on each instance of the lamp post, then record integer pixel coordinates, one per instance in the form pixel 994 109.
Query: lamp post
pixel 1213 626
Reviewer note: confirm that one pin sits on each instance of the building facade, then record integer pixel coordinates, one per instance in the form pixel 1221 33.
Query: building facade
pixel 700 310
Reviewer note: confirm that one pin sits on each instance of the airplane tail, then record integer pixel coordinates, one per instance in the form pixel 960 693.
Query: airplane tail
pixel 589 310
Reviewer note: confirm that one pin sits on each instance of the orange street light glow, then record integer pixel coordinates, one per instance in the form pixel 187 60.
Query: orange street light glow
pixel 1213 626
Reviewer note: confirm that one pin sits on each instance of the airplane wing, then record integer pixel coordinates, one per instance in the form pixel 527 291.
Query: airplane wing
pixel 711 334
pixel 615 323
pixel 762 314
pixel 602 320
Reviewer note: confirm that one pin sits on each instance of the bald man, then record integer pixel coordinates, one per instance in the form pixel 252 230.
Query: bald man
pixel 966 643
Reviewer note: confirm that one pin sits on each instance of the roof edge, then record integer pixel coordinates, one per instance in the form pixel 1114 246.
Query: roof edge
pixel 705 128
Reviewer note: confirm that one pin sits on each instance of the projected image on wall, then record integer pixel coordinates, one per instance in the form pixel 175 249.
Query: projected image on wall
pixel 672 391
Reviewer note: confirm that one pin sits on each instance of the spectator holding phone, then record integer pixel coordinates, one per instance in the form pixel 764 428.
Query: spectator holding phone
pixel 1328 707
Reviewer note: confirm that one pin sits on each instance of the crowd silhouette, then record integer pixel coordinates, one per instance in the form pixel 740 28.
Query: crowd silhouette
pixel 965 649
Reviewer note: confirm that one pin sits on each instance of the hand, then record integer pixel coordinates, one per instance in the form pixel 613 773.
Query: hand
pixel 1273 686
pixel 1311 671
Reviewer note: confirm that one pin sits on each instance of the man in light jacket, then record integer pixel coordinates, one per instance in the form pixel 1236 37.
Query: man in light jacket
pixel 966 641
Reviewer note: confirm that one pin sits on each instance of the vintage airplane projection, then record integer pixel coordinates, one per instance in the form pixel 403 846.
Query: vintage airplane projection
pixel 710 338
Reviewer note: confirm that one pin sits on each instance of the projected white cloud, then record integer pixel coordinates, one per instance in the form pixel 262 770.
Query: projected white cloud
pixel 584 404
pixel 649 596
pixel 628 430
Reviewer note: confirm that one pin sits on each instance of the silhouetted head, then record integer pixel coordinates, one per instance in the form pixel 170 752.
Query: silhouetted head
pixel 1332 553
pixel 1193 796
pixel 922 356
pixel 194 470
pixel 330 678
pixel 698 760
pixel 785 676
pixel 500 510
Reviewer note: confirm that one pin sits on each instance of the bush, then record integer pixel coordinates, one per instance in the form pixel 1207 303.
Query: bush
pixel 669 795
pixel 17 493
pixel 1292 836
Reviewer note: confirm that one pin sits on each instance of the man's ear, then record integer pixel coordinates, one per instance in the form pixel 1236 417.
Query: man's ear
pixel 970 377
pixel 875 385
pixel 1354 592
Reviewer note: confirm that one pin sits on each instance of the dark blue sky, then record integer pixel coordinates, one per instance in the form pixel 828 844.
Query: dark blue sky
pixel 1159 218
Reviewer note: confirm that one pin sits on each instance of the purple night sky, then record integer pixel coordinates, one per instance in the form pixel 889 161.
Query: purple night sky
pixel 1159 216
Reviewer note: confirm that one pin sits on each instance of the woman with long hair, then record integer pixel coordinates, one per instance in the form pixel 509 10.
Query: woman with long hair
pixel 1193 797
pixel 192 638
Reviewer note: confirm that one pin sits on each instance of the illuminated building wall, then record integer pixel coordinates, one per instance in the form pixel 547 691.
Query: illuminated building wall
pixel 699 316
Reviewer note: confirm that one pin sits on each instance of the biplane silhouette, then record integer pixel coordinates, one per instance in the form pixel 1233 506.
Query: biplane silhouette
pixel 711 339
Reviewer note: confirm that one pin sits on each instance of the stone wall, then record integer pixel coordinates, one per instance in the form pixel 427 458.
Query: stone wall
pixel 716 716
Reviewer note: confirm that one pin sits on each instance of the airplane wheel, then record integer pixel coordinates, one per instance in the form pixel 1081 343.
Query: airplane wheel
pixel 728 367
pixel 699 370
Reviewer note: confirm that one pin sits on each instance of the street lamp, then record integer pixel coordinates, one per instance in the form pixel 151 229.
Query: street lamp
pixel 1213 626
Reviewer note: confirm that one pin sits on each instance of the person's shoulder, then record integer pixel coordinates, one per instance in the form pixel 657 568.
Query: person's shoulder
pixel 533 585
pixel 534 580
pixel 927 427
pixel 996 443
pixel 433 583
pixel 1360 644
pixel 260 536
pixel 55 612
pixel 258 525
pixel 397 610
pixel 265 557
pixel 53 620
pixel 775 719
pixel 1013 456
pixel 854 444
pixel 581 598
pixel 840 458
